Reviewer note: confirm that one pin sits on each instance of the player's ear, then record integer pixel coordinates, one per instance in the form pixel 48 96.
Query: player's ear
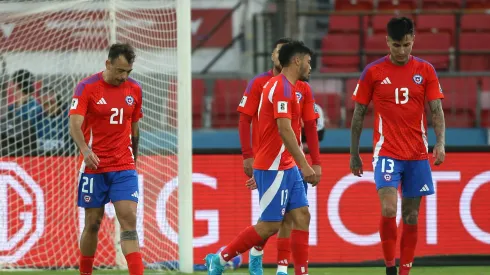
pixel 107 64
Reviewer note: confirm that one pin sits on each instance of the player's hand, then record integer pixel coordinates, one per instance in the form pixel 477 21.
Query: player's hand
pixel 309 175
pixel 251 184
pixel 356 165
pixel 439 153
pixel 318 173
pixel 247 167
pixel 91 159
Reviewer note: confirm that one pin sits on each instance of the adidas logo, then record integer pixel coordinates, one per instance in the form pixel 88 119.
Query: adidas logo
pixel 135 194
pixel 101 101
pixel 425 188
pixel 386 81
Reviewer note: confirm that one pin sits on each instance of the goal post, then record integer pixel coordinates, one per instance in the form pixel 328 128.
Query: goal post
pixel 59 43
pixel 184 122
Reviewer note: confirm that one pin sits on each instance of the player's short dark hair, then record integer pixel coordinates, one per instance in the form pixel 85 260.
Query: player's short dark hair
pixel 24 80
pixel 398 27
pixel 282 40
pixel 291 49
pixel 125 50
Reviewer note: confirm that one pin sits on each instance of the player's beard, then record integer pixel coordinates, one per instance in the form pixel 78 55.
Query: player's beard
pixel 304 74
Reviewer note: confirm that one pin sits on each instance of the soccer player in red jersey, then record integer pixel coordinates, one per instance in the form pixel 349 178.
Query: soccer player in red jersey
pixel 399 84
pixel 104 118
pixel 278 179
pixel 248 108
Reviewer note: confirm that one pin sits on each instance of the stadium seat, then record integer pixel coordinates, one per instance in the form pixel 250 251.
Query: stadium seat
pixel 354 5
pixel 378 22
pixel 436 23
pixel 475 23
pixel 198 92
pixel 474 41
pixel 460 98
pixel 441 4
pixel 434 42
pixel 477 4
pixel 331 105
pixel 341 42
pixel 227 95
pixel 397 4
pixel 485 109
pixel 377 43
pixel 346 24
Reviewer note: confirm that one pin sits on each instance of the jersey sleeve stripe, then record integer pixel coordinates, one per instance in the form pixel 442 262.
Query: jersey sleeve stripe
pixel 426 62
pixel 366 69
pixel 135 82
pixel 89 80
pixel 252 81
pixel 286 87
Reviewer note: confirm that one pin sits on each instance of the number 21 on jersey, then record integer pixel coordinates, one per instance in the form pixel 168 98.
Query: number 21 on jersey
pixel 401 95
pixel 117 116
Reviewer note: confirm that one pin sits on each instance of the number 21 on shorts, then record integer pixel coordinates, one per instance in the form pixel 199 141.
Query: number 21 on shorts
pixel 87 185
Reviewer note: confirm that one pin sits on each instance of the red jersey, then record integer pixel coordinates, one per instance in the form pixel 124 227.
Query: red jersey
pixel 251 100
pixel 278 100
pixel 399 94
pixel 109 111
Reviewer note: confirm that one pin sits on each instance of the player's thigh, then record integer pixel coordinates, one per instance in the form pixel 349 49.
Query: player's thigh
pixel 93 190
pixel 273 191
pixel 387 172
pixel 417 179
pixel 123 186
pixel 93 218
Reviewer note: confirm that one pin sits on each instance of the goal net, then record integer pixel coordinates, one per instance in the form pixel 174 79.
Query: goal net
pixel 46 48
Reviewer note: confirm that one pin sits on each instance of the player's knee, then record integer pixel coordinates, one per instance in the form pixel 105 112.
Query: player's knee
pixel 389 211
pixel 93 225
pixel 410 216
pixel 127 220
pixel 267 229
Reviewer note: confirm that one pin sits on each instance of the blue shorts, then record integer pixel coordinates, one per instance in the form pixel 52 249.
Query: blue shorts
pixel 279 192
pixel 305 184
pixel 415 176
pixel 95 190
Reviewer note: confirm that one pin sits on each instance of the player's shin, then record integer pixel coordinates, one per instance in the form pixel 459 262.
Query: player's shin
pixel 407 247
pixel 88 245
pixel 86 265
pixel 299 240
pixel 247 239
pixel 388 234
pixel 284 245
pixel 130 248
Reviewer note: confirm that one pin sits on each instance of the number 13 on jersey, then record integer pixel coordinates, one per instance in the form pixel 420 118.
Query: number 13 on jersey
pixel 401 95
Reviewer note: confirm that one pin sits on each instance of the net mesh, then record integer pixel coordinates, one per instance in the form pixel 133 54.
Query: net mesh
pixel 46 48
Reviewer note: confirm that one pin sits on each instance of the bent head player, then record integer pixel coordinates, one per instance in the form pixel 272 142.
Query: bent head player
pixel 398 84
pixel 104 115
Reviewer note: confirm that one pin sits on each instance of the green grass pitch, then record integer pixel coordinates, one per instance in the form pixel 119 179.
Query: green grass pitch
pixel 472 270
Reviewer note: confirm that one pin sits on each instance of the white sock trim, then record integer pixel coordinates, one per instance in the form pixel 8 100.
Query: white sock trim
pixel 255 252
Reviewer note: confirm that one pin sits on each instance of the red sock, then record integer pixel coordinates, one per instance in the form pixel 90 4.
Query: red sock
pixel 388 232
pixel 261 246
pixel 135 263
pixel 243 242
pixel 283 251
pixel 407 247
pixel 300 247
pixel 86 264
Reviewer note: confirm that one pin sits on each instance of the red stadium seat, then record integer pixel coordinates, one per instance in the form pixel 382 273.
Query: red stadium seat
pixel 227 95
pixel 436 23
pixel 346 24
pixel 475 23
pixel 198 92
pixel 460 98
pixel 441 4
pixel 434 42
pixel 485 109
pixel 377 43
pixel 477 4
pixel 379 22
pixel 330 103
pixel 474 41
pixel 341 42
pixel 397 4
pixel 354 5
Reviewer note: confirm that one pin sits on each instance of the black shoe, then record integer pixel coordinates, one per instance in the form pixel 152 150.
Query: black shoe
pixel 391 270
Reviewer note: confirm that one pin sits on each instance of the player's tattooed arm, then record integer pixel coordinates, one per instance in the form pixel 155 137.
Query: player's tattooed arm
pixel 355 132
pixel 356 127
pixel 135 138
pixel 438 120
